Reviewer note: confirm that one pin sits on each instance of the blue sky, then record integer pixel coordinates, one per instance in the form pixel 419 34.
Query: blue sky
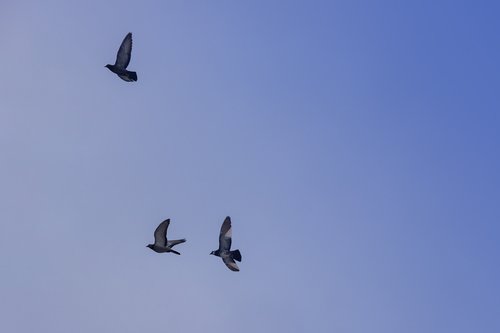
pixel 353 143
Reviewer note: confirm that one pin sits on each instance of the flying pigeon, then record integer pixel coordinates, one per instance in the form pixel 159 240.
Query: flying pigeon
pixel 122 60
pixel 161 243
pixel 224 251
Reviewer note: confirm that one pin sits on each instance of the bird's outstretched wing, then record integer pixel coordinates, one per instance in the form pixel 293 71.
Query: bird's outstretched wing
pixel 125 52
pixel 172 243
pixel 126 78
pixel 161 233
pixel 226 232
pixel 231 264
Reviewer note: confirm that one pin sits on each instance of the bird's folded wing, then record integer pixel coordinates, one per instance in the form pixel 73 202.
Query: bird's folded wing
pixel 231 264
pixel 124 53
pixel 174 242
pixel 126 78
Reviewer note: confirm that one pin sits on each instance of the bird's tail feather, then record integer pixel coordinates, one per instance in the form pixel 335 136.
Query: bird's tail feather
pixel 133 75
pixel 236 255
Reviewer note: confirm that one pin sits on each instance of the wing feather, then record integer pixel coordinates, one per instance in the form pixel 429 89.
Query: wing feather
pixel 172 243
pixel 225 235
pixel 124 52
pixel 231 264
pixel 161 233
pixel 126 78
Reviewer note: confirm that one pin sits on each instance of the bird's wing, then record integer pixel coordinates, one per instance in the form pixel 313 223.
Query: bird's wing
pixel 161 233
pixel 172 243
pixel 124 53
pixel 231 264
pixel 125 78
pixel 226 233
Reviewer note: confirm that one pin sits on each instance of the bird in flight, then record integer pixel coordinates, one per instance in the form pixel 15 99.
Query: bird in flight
pixel 161 244
pixel 122 60
pixel 224 251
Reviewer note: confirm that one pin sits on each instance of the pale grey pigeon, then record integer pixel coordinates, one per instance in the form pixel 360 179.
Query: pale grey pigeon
pixel 122 60
pixel 161 244
pixel 224 251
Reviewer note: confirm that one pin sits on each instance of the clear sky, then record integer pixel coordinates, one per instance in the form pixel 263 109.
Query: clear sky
pixel 355 144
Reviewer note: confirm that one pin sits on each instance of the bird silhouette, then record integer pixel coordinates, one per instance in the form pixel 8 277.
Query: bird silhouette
pixel 161 244
pixel 224 251
pixel 122 60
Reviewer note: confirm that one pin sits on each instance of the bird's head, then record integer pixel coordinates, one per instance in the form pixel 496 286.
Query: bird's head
pixel 108 66
pixel 212 253
pixel 150 246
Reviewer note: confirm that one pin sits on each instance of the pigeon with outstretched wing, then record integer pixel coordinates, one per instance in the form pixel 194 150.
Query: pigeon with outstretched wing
pixel 224 251
pixel 162 244
pixel 123 59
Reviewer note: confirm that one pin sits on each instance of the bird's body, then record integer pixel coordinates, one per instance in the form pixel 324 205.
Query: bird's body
pixel 224 250
pixel 162 249
pixel 122 60
pixel 123 74
pixel 162 245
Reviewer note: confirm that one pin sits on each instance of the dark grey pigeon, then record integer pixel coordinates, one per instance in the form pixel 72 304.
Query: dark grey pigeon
pixel 224 251
pixel 122 60
pixel 161 244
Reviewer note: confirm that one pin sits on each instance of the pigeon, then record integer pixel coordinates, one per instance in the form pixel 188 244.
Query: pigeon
pixel 122 60
pixel 224 251
pixel 161 244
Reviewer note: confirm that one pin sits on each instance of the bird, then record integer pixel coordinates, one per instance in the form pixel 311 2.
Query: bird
pixel 224 251
pixel 122 60
pixel 161 244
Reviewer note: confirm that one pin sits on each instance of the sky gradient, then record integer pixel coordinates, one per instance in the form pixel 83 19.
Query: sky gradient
pixel 355 145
